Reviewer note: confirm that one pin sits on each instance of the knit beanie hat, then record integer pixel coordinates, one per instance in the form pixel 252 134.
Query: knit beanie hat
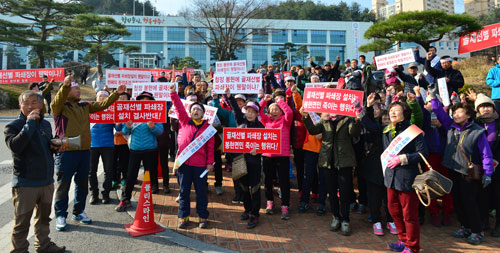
pixel 483 99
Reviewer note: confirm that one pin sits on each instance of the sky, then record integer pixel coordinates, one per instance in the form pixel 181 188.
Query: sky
pixel 172 7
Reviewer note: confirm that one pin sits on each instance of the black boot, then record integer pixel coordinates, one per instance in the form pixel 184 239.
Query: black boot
pixel 94 199
pixel 105 198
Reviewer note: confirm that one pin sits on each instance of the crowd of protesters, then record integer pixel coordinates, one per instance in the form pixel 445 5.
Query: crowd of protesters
pixel 331 157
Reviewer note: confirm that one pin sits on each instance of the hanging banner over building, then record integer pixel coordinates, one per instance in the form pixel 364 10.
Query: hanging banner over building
pixel 30 75
pixel 331 100
pixel 140 111
pixel 159 90
pixel 397 58
pixel 231 67
pixel 243 140
pixel 238 84
pixel 116 77
pixel 210 111
pixel 487 37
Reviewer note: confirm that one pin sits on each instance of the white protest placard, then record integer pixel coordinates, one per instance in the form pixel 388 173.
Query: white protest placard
pixel 443 91
pixel 398 143
pixel 396 58
pixel 238 83
pixel 159 90
pixel 194 146
pixel 320 85
pixel 116 77
pixel 210 111
pixel 231 67
pixel 314 117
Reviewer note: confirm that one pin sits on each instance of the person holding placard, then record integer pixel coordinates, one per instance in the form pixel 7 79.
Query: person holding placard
pixel 190 127
pixel 434 61
pixel 353 76
pixel 454 78
pixel 279 116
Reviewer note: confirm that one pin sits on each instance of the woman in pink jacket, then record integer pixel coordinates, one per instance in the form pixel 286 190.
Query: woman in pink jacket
pixel 190 127
pixel 280 116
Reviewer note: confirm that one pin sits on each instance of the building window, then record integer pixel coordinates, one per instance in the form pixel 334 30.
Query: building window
pixel 299 36
pixel 176 50
pixel 280 36
pixel 318 37
pixel 154 48
pixel 154 33
pixel 318 54
pixel 441 45
pixel 337 37
pixel 176 33
pixel 194 34
pixel 240 34
pixel 260 35
pixel 135 33
pixel 259 55
pixel 455 45
pixel 199 53
pixel 336 51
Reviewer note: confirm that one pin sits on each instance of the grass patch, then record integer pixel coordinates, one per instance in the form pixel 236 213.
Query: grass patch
pixel 475 70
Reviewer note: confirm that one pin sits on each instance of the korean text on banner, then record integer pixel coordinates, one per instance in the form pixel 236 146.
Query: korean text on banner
pixel 141 111
pixel 159 90
pixel 30 75
pixel 116 77
pixel 443 91
pixel 210 111
pixel 242 83
pixel 194 146
pixel 331 100
pixel 157 72
pixel 487 37
pixel 231 67
pixel 105 116
pixel 396 58
pixel 243 140
pixel 398 143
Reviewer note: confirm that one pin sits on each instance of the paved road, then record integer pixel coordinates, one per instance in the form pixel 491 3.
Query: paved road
pixel 105 234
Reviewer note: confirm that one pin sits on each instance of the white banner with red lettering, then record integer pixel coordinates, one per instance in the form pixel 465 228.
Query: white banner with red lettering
pixel 30 75
pixel 231 67
pixel 116 77
pixel 210 111
pixel 238 84
pixel 159 90
pixel 397 58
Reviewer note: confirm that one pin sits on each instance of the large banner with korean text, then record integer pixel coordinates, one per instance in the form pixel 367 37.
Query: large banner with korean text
pixel 137 111
pixel 105 116
pixel 238 83
pixel 244 140
pixel 30 75
pixel 329 100
pixel 116 77
pixel 487 37
pixel 231 67
pixel 157 72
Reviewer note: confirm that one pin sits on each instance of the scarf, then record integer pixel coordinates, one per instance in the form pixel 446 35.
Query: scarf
pixel 391 128
pixel 487 120
pixel 334 117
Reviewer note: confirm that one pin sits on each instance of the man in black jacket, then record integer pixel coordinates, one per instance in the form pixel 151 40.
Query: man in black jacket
pixel 413 79
pixel 454 78
pixel 29 139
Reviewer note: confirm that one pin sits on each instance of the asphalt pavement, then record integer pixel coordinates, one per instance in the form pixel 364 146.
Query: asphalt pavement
pixel 105 234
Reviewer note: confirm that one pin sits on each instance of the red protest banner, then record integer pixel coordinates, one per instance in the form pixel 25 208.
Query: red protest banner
pixel 30 75
pixel 242 140
pixel 287 74
pixel 106 116
pixel 157 72
pixel 487 37
pixel 331 100
pixel 141 111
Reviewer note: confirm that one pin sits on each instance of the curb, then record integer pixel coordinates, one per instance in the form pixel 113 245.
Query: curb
pixel 177 238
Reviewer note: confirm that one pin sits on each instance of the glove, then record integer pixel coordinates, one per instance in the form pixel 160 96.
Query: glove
pixel 454 98
pixel 357 105
pixel 486 180
pixel 433 90
pixel 394 161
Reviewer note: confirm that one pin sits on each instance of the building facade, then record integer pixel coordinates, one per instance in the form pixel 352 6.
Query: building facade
pixel 161 38
pixel 479 7
pixel 383 9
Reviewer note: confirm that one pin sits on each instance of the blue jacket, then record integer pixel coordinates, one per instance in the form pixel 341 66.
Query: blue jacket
pixel 493 80
pixel 421 60
pixel 101 135
pixel 142 137
pixel 226 116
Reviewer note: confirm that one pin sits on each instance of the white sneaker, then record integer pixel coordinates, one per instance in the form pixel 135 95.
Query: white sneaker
pixel 82 218
pixel 60 223
pixel 392 228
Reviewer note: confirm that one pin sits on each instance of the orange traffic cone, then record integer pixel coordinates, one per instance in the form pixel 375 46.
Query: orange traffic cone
pixel 160 173
pixel 144 222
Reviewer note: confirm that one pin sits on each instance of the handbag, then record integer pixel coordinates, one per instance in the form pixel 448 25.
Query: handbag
pixel 431 184
pixel 474 171
pixel 239 167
